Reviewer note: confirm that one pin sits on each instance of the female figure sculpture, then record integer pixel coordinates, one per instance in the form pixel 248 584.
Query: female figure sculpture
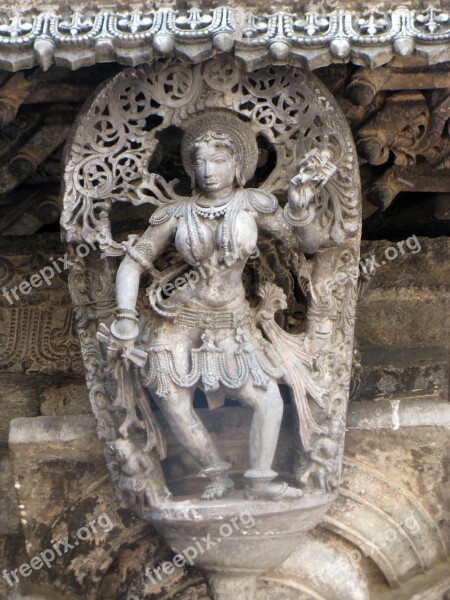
pixel 206 335
pixel 202 330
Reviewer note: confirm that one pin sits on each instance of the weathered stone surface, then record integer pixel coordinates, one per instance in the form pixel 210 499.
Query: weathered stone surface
pixel 409 297
pixel 9 509
pixel 420 263
pixel 64 488
pixel 19 397
pixel 395 483
pixel 321 563
pixel 401 412
pixel 16 595
pixel 415 458
pixel 404 372
pixel 12 553
pixel 401 317
pixel 65 399
pixel 54 460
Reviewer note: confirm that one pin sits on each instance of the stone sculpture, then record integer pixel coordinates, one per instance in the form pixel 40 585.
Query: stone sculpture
pixel 208 335
pixel 265 153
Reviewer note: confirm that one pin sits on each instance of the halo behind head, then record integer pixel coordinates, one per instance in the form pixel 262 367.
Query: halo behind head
pixel 226 124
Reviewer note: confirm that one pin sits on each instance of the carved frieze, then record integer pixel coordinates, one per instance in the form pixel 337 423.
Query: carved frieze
pixel 318 37
pixel 37 331
pixel 400 127
pixel 39 339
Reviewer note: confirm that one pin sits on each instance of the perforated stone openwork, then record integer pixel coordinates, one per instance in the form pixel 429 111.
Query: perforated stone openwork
pixel 117 139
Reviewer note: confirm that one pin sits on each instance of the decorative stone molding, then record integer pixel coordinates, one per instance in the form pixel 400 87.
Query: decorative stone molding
pixel 399 128
pixel 398 178
pixel 38 339
pixel 312 38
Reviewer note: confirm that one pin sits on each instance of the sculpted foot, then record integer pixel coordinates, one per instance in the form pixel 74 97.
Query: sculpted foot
pixel 261 486
pixel 219 488
pixel 272 491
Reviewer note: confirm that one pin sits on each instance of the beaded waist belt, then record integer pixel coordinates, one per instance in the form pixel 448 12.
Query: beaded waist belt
pixel 212 320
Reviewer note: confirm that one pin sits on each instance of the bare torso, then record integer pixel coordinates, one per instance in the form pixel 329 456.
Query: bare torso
pixel 219 286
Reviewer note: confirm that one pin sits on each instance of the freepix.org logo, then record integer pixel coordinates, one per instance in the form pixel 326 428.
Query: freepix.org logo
pixel 48 556
pixel 188 555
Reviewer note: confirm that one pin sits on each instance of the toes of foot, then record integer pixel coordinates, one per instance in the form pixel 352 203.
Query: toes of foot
pixel 209 495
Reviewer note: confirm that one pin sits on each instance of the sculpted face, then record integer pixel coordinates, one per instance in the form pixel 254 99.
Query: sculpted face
pixel 215 168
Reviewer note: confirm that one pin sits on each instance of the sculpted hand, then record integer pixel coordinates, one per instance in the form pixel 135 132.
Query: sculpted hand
pixel 124 331
pixel 300 192
pixel 315 170
pixel 120 339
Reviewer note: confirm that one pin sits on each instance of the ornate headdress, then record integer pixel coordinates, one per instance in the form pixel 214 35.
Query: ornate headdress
pixel 228 125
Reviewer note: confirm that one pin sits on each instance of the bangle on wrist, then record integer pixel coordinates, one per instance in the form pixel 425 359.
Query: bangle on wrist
pixel 299 222
pixel 124 309
pixel 122 337
pixel 127 317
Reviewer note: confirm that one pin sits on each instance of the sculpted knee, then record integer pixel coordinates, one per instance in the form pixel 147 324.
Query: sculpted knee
pixel 272 403
pixel 171 402
pixel 169 397
pixel 178 412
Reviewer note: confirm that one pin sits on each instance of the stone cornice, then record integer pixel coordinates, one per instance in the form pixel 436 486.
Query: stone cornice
pixel 311 39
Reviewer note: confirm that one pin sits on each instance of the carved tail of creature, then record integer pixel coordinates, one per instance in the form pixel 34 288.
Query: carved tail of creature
pixel 295 361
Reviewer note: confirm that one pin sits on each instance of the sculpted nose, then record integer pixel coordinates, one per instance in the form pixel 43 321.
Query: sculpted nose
pixel 207 168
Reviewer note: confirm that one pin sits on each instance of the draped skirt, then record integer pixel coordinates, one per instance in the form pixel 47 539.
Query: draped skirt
pixel 211 350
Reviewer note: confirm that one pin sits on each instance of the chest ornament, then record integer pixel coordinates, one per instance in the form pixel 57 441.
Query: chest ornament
pixel 212 212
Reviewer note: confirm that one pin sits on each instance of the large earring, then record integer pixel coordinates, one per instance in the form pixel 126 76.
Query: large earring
pixel 193 181
pixel 240 179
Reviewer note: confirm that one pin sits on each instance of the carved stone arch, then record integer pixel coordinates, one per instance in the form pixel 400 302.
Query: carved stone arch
pixel 373 511
pixel 116 135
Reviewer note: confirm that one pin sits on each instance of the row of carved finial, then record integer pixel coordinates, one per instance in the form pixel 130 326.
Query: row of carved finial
pixel 131 37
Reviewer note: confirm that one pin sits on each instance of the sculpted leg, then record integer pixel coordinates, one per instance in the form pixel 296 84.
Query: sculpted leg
pixel 188 428
pixel 267 408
